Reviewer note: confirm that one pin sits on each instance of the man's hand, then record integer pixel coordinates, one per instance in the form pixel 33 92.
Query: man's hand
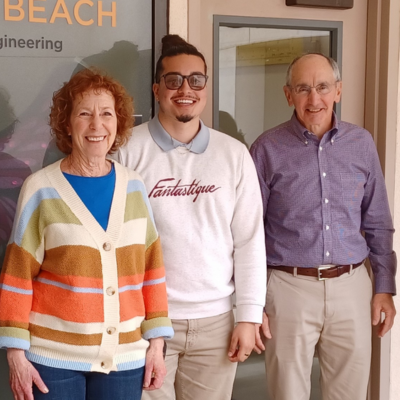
pixel 265 326
pixel 383 303
pixel 242 342
pixel 22 375
pixel 259 345
pixel 155 370
pixel 262 330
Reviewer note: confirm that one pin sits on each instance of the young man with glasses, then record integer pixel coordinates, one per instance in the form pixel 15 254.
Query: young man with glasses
pixel 325 212
pixel 204 192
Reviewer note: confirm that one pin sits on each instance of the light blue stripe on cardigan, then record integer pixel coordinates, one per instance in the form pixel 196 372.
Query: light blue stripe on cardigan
pixel 154 282
pixel 15 289
pixel 79 366
pixel 165 332
pixel 14 343
pixel 131 365
pixel 29 209
pixel 135 186
pixel 130 287
pixel 75 289
pixel 140 285
pixel 52 362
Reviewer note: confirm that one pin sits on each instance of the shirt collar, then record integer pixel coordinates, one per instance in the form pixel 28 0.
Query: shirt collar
pixel 167 143
pixel 303 133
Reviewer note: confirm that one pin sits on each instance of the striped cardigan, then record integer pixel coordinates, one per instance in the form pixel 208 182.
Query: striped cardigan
pixel 73 295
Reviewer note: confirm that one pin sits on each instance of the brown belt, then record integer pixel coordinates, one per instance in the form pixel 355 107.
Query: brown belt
pixel 322 272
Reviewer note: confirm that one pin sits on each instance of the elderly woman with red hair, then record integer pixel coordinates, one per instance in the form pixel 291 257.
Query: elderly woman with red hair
pixel 83 306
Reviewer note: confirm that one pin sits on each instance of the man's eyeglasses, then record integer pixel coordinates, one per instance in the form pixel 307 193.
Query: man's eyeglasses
pixel 174 81
pixel 305 90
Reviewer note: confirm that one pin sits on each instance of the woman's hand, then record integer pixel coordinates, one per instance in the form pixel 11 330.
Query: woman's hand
pixel 22 374
pixel 155 370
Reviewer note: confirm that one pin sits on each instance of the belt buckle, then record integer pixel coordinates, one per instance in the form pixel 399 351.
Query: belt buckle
pixel 320 268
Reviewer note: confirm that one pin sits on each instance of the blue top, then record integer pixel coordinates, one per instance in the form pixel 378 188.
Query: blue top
pixel 96 193
pixel 320 195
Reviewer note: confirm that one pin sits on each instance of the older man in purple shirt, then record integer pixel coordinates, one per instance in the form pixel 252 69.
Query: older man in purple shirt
pixel 325 212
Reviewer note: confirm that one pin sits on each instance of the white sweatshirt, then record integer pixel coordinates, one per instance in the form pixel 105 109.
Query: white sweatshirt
pixel 208 212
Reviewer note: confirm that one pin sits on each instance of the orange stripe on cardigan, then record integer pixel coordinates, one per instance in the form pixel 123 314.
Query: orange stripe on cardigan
pixel 131 305
pixel 16 282
pixel 11 305
pixel 153 298
pixel 64 304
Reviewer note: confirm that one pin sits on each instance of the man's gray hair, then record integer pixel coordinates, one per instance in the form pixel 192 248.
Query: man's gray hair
pixel 331 61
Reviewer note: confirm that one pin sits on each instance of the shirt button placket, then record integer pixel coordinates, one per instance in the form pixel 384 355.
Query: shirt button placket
pixel 326 234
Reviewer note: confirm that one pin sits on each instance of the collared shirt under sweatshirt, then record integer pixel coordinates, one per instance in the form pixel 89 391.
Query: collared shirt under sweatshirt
pixel 207 206
pixel 320 196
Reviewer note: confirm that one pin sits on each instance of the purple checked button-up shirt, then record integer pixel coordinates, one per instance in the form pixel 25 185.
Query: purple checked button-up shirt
pixel 320 195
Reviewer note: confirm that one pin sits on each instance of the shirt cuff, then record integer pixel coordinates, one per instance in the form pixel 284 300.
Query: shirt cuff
pixel 249 313
pixel 385 285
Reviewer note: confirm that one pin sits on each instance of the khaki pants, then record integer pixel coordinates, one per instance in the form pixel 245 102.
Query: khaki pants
pixel 197 361
pixel 331 316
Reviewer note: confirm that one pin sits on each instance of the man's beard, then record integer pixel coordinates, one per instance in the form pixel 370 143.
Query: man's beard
pixel 184 118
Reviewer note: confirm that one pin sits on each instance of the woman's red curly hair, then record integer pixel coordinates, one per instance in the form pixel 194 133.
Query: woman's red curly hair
pixel 85 81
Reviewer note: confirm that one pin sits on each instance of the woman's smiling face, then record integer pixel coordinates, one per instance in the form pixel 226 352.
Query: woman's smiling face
pixel 93 124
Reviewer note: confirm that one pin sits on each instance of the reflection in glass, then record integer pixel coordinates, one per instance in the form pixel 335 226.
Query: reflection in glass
pixel 228 125
pixel 13 172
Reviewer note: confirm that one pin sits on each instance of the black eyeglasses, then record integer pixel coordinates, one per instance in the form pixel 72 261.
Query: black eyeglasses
pixel 174 81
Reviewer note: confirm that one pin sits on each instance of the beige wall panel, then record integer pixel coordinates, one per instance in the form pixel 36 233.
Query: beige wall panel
pixel 200 33
pixel 178 10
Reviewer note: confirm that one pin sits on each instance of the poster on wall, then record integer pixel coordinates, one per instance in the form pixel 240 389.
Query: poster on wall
pixel 42 44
